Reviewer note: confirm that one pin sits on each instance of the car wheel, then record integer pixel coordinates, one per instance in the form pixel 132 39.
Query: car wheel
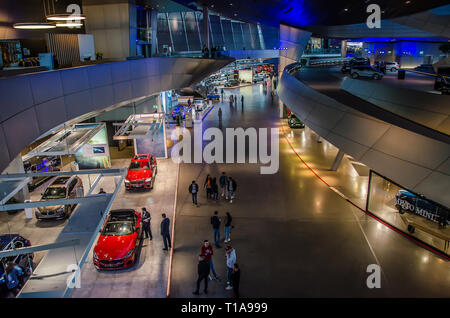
pixel 393 69
pixel 68 212
pixel 376 76
pixel 355 75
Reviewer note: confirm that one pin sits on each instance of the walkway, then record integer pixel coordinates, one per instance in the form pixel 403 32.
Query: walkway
pixel 293 236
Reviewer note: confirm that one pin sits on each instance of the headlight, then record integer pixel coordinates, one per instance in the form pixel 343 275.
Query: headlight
pixel 148 179
pixel 129 253
pixel 95 255
pixel 126 181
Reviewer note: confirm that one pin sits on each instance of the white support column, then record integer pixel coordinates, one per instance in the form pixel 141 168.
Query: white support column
pixel 337 160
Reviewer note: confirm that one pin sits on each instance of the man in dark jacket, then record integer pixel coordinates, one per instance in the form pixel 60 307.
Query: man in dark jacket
pixel 235 279
pixel 215 222
pixel 193 189
pixel 146 224
pixel 203 273
pixel 165 231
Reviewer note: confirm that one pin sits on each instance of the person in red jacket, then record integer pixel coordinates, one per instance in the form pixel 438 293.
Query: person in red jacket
pixel 208 252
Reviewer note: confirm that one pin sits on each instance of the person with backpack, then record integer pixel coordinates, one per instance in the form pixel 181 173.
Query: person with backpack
pixel 215 190
pixel 193 189
pixel 215 222
pixel 227 229
pixel 208 186
pixel 231 188
pixel 223 181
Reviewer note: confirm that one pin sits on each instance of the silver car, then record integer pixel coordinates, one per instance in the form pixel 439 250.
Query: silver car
pixel 365 71
pixel 61 188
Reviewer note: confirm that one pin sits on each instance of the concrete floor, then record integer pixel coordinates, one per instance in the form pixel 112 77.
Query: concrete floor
pixel 293 236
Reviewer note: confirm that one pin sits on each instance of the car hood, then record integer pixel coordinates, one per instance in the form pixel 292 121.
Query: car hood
pixel 49 208
pixel 114 247
pixel 134 175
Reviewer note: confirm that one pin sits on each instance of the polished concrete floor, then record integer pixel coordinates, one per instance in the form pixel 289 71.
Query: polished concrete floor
pixel 294 237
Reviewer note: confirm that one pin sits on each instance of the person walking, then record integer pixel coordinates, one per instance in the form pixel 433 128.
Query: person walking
pixel 231 188
pixel 146 224
pixel 223 181
pixel 220 113
pixel 208 186
pixel 193 189
pixel 227 229
pixel 221 93
pixel 208 252
pixel 231 260
pixel 203 273
pixel 215 222
pixel 242 100
pixel 165 233
pixel 215 190
pixel 235 280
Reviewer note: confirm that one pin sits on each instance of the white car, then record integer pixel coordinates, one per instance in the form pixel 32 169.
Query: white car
pixel 392 66
pixel 365 71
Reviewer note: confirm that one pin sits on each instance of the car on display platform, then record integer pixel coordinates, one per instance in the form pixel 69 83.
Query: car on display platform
pixel 118 241
pixel 141 172
pixel 347 66
pixel 232 83
pixel 406 201
pixel 365 71
pixel 180 111
pixel 294 122
pixel 63 187
pixel 25 261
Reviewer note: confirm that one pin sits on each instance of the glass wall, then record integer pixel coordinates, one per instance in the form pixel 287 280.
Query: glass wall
pixel 228 35
pixel 163 32
pixel 176 26
pixel 409 211
pixel 192 31
pixel 237 35
pixel 182 31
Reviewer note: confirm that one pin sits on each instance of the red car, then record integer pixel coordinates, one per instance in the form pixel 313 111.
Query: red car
pixel 141 173
pixel 119 238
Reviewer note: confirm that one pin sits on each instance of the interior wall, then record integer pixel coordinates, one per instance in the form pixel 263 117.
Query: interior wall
pixel 110 26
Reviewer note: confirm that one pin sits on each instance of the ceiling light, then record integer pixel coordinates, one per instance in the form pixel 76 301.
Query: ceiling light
pixel 65 17
pixel 69 24
pixel 345 9
pixel 34 26
pixel 408 2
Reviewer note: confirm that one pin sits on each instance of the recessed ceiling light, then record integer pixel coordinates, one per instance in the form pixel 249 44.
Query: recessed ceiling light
pixel 408 2
pixel 69 25
pixel 345 9
pixel 34 26
pixel 65 17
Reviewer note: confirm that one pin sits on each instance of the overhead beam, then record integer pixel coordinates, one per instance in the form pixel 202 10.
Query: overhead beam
pixel 37 204
pixel 38 248
pixel 19 187
pixel 104 172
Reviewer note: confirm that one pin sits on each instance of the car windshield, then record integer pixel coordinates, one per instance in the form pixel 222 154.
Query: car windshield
pixel 138 165
pixel 54 193
pixel 118 228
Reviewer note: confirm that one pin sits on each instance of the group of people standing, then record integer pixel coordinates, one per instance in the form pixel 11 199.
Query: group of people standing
pixel 206 266
pixel 165 231
pixel 227 189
